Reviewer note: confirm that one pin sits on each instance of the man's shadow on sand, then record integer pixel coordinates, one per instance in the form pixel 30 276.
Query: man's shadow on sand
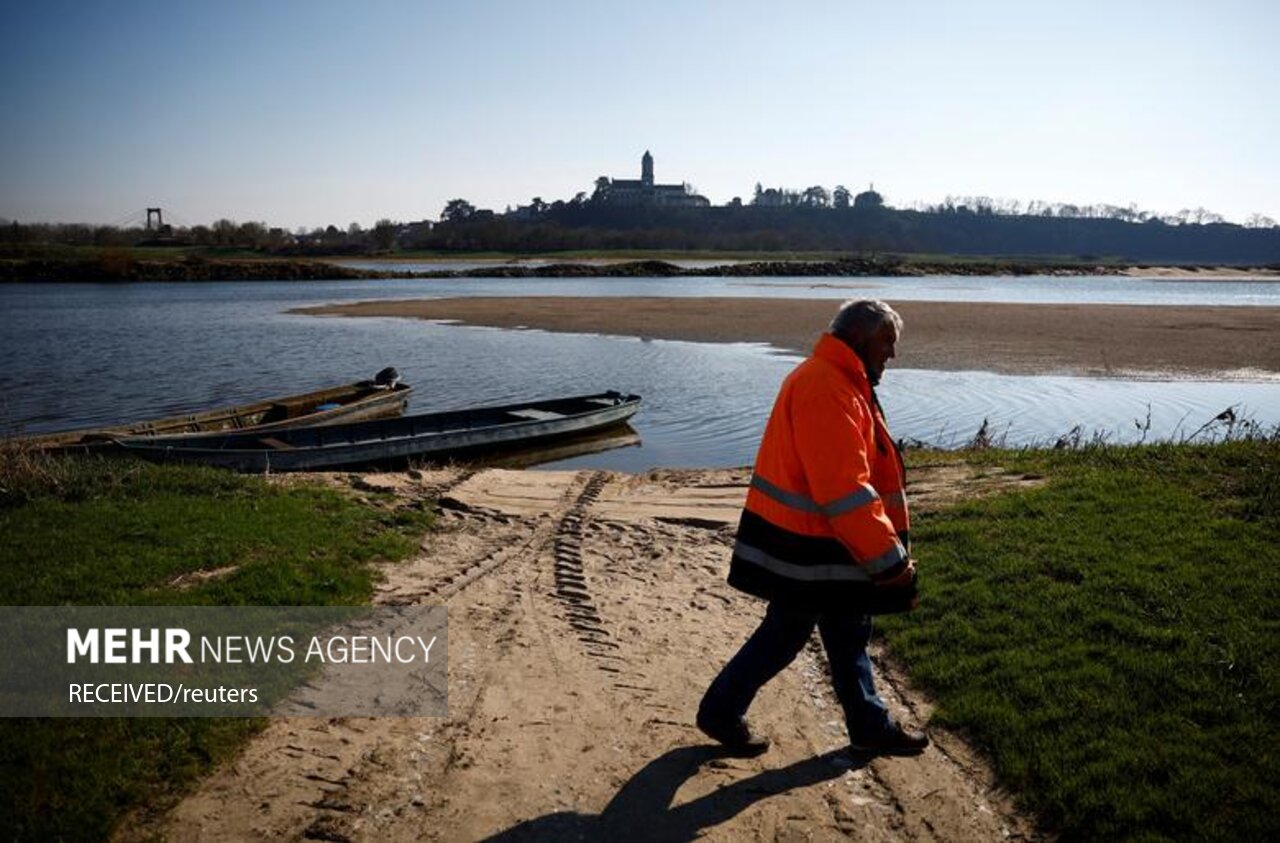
pixel 642 810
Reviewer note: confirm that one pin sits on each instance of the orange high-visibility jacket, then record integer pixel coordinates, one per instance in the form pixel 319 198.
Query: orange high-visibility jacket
pixel 826 514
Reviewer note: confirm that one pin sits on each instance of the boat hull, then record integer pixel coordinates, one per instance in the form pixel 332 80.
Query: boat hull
pixel 425 436
pixel 358 401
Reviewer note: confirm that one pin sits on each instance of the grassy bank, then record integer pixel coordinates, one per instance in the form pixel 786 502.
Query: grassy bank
pixel 103 532
pixel 59 252
pixel 1112 638
pixel 160 264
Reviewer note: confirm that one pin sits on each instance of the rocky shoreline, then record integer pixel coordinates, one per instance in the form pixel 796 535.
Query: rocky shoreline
pixel 123 269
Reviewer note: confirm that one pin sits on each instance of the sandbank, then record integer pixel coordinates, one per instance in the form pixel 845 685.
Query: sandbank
pixel 1082 339
pixel 1203 273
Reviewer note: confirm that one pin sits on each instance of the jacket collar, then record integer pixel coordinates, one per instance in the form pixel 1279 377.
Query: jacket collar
pixel 835 352
pixel 844 358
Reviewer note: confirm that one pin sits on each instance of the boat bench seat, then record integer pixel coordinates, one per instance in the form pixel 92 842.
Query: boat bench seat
pixel 275 413
pixel 536 415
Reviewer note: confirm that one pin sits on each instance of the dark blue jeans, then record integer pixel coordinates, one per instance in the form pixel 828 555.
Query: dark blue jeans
pixel 775 644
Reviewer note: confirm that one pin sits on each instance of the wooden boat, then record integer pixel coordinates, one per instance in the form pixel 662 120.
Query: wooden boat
pixel 380 397
pixel 427 435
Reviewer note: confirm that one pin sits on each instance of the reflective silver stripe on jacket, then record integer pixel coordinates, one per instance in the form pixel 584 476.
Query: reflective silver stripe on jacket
pixel 850 502
pixel 863 496
pixel 792 571
pixel 880 564
pixel 812 573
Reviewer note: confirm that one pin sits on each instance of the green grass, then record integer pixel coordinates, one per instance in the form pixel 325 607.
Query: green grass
pixel 1112 638
pixel 103 532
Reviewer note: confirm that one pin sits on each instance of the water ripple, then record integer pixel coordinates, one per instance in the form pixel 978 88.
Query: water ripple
pixel 83 355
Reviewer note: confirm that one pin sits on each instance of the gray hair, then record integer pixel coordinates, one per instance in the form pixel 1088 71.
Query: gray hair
pixel 857 320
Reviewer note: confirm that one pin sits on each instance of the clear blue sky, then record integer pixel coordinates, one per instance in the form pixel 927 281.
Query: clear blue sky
pixel 310 113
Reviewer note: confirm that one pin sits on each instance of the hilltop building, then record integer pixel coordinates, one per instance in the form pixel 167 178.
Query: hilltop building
pixel 644 192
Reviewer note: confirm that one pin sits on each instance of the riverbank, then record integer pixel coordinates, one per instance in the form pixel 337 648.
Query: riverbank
pixel 1068 647
pixel 114 532
pixel 1090 339
pixel 585 611
pixel 125 266
pixel 1203 273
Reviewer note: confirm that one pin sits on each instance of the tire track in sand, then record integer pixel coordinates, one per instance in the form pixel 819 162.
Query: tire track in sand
pixel 536 747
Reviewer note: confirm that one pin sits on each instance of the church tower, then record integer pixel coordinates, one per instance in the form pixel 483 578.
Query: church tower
pixel 646 169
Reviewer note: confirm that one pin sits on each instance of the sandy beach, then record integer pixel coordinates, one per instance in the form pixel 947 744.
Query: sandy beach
pixel 587 612
pixel 1203 273
pixel 1089 339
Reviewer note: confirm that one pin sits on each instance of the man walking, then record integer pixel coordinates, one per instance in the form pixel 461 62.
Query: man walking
pixel 824 536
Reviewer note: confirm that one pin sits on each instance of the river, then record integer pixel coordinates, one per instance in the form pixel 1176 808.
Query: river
pixel 84 354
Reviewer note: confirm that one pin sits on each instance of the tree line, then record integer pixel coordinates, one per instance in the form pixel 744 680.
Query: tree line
pixel 222 234
pixel 958 229
pixel 774 219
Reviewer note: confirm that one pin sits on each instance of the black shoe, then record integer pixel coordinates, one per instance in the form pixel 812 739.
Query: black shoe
pixel 893 740
pixel 734 734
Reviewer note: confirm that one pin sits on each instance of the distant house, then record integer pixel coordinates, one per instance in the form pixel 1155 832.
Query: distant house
pixel 772 197
pixel 525 213
pixel 643 191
